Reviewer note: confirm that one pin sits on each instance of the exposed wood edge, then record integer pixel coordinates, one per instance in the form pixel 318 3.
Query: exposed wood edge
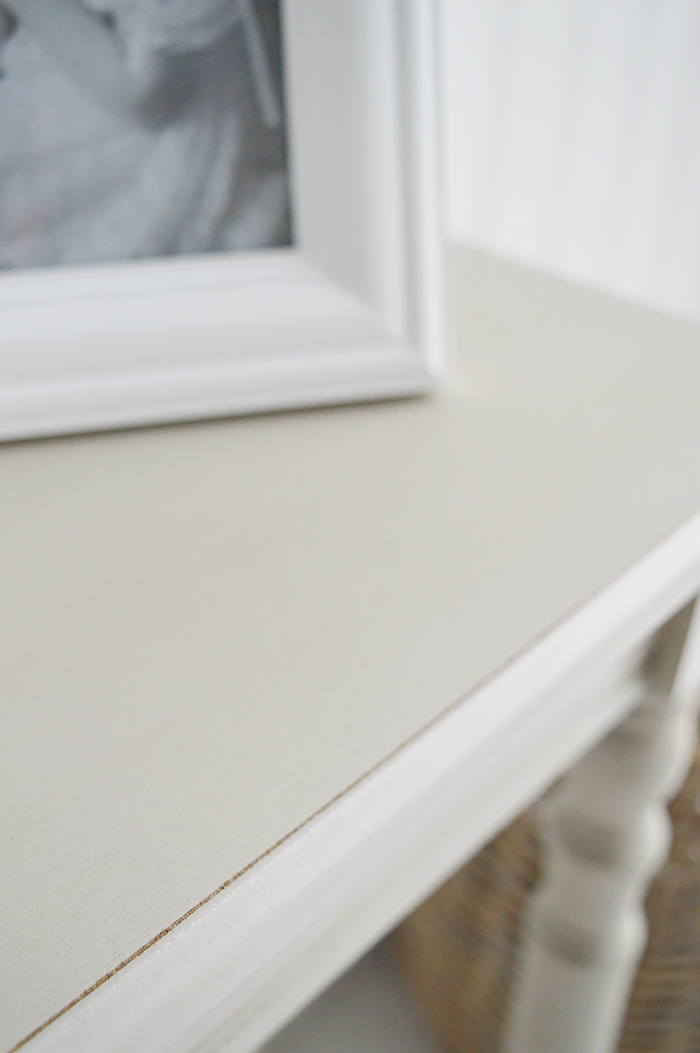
pixel 237 968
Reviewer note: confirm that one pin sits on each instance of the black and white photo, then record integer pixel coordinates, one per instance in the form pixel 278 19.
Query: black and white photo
pixel 140 128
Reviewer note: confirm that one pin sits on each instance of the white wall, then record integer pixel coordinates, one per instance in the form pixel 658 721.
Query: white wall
pixel 572 134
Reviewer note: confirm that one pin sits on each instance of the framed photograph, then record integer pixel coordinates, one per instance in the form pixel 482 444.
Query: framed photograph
pixel 214 207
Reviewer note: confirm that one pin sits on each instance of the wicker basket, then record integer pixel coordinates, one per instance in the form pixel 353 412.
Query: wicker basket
pixel 457 950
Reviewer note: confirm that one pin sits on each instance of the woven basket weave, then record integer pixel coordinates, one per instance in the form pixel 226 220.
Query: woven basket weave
pixel 457 950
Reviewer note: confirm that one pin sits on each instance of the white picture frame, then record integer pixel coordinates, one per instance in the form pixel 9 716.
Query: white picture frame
pixel 352 312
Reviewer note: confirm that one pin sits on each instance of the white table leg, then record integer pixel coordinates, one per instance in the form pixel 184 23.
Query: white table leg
pixel 605 833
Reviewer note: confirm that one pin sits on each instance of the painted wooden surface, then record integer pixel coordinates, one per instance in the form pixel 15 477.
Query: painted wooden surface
pixel 368 1010
pixel 606 833
pixel 212 632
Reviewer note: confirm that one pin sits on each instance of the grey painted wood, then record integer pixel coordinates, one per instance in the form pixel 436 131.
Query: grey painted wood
pixel 211 631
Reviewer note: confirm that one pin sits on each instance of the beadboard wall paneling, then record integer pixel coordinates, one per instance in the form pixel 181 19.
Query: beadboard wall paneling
pixel 572 138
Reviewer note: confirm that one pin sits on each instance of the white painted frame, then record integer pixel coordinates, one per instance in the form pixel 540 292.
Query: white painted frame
pixel 353 311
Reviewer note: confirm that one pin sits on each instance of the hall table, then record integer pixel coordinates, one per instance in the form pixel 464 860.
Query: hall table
pixel 267 682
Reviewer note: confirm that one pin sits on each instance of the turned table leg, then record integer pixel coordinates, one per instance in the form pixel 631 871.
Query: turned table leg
pixel 605 832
